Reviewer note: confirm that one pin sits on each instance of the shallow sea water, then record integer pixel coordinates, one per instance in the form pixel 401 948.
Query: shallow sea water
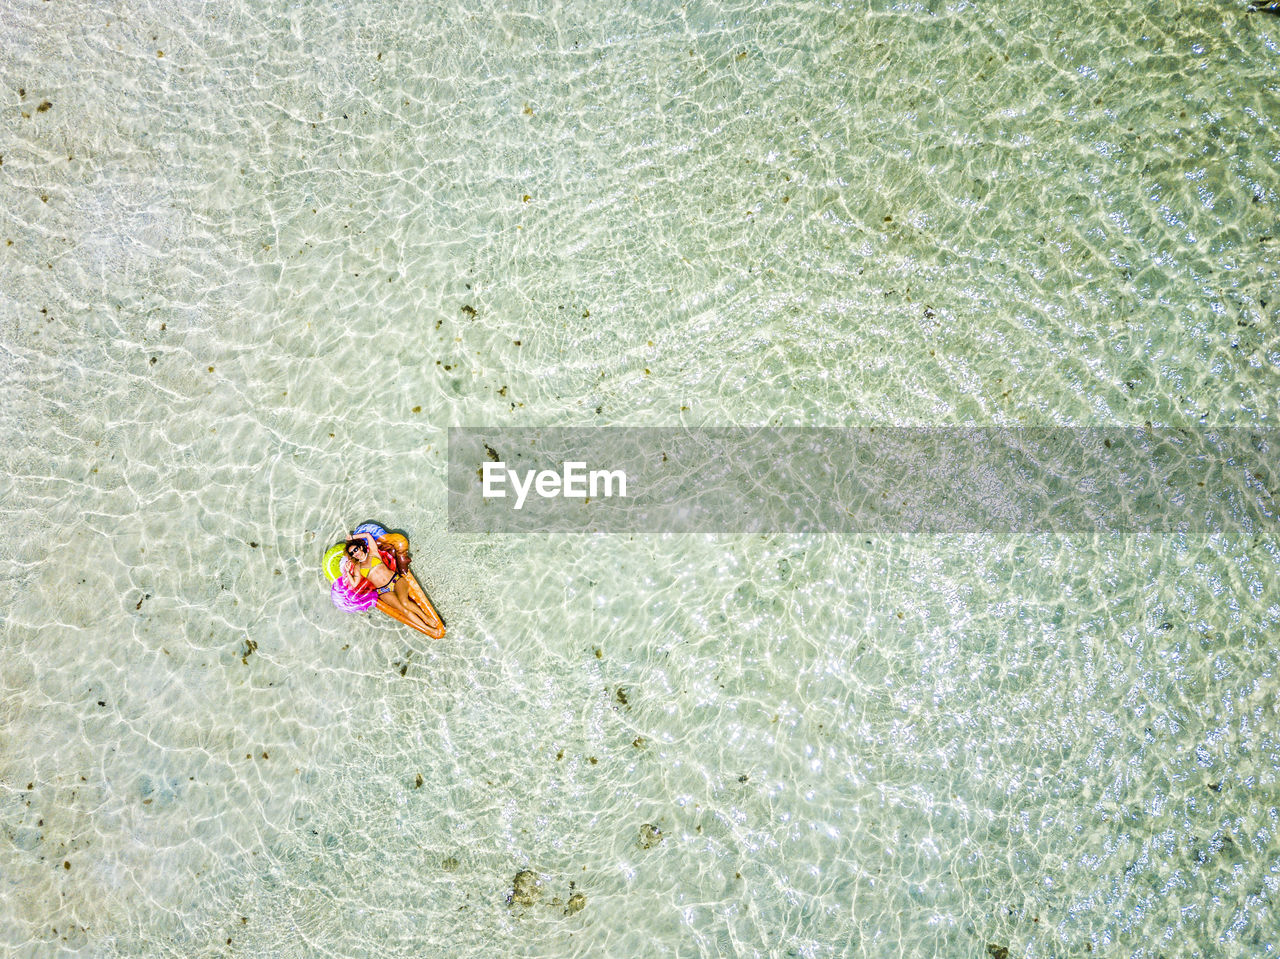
pixel 256 258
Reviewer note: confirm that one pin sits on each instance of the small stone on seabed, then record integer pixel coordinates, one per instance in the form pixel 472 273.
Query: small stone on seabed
pixel 525 889
pixel 650 836
pixel 576 903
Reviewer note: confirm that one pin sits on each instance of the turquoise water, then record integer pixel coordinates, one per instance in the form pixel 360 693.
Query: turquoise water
pixel 257 258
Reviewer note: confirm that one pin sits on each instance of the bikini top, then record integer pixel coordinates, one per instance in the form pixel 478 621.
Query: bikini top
pixel 374 560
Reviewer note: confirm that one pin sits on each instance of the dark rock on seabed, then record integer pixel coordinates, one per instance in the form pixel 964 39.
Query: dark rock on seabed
pixel 526 890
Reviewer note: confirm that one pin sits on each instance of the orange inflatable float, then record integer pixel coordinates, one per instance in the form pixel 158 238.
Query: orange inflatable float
pixel 394 550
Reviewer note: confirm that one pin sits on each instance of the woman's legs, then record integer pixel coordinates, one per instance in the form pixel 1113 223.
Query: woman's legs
pixel 393 599
pixel 406 598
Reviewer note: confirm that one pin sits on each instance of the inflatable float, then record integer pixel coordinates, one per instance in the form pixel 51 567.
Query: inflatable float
pixel 394 549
